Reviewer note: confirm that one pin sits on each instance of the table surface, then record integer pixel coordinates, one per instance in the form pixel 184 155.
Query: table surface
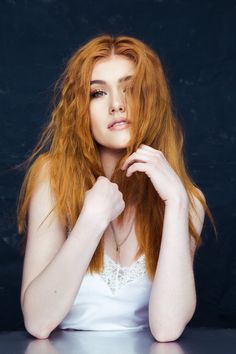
pixel 193 340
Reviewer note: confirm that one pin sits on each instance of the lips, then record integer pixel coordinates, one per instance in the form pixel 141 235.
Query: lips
pixel 118 120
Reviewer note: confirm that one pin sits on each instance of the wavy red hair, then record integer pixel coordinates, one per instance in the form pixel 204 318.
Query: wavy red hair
pixel 68 149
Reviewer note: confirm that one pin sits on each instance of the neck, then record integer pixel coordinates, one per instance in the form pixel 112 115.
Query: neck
pixel 109 158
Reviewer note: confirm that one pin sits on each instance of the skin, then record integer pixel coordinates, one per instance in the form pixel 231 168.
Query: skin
pixel 168 314
pixel 109 104
pixel 49 281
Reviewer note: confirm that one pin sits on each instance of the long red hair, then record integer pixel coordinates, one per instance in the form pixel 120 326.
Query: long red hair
pixel 67 147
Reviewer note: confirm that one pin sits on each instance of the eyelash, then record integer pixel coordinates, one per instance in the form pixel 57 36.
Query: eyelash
pixel 93 93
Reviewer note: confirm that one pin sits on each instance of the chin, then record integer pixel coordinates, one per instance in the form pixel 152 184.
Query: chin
pixel 117 148
pixel 123 145
pixel 114 145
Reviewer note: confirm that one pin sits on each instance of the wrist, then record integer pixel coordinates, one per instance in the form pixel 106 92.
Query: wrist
pixel 92 218
pixel 178 201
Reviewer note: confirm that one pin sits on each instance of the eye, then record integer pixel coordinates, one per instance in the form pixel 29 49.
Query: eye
pixel 96 93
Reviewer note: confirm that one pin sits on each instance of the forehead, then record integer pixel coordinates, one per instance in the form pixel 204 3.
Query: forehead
pixel 112 68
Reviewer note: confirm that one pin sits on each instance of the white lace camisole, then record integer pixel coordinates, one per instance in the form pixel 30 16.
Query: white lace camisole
pixel 115 299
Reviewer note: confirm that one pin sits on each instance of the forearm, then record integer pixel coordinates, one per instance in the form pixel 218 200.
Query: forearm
pixel 49 297
pixel 173 296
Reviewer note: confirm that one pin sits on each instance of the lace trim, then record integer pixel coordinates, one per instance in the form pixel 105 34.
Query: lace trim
pixel 117 276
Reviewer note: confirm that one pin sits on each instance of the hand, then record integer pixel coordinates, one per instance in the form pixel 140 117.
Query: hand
pixel 104 200
pixel 164 179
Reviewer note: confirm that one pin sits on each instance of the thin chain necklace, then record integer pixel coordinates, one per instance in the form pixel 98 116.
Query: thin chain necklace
pixel 118 245
pixel 118 251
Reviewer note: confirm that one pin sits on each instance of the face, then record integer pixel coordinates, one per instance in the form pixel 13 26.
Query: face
pixel 107 101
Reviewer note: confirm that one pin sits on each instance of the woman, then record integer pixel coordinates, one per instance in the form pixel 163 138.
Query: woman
pixel 113 217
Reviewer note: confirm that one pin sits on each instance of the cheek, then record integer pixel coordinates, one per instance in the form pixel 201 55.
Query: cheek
pixel 97 115
pixel 96 109
pixel 97 123
pixel 93 127
pixel 93 116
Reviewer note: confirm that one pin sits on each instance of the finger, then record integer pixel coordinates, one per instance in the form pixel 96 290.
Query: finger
pixel 148 148
pixel 144 151
pixel 137 156
pixel 138 166
pixel 153 151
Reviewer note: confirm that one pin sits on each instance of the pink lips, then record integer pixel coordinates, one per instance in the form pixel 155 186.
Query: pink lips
pixel 118 120
pixel 120 127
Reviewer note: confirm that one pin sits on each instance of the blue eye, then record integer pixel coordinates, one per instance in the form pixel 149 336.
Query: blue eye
pixel 96 93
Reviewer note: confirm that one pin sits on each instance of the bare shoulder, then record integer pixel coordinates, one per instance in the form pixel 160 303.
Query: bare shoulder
pixel 45 233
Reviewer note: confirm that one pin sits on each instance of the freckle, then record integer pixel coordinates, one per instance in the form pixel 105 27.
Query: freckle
pixel 55 291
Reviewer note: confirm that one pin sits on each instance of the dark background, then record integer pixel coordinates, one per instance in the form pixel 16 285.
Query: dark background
pixel 196 44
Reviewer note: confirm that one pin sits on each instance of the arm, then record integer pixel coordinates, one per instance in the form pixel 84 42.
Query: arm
pixel 54 265
pixel 173 295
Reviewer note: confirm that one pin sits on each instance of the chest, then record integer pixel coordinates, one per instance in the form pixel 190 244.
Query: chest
pixel 128 249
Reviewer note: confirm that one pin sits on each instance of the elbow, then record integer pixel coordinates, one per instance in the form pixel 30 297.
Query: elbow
pixel 37 327
pixel 167 335
pixel 167 332
pixel 39 332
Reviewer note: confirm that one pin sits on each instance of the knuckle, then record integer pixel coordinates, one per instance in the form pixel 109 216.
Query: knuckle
pixel 158 154
pixel 101 178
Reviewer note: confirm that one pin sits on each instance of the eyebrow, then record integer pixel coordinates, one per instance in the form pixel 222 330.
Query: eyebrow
pixel 122 79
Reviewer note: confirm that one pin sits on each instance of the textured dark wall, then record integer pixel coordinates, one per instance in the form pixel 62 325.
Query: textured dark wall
pixel 196 44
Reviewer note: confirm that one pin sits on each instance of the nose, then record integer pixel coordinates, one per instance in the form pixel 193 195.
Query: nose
pixel 117 104
pixel 119 108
